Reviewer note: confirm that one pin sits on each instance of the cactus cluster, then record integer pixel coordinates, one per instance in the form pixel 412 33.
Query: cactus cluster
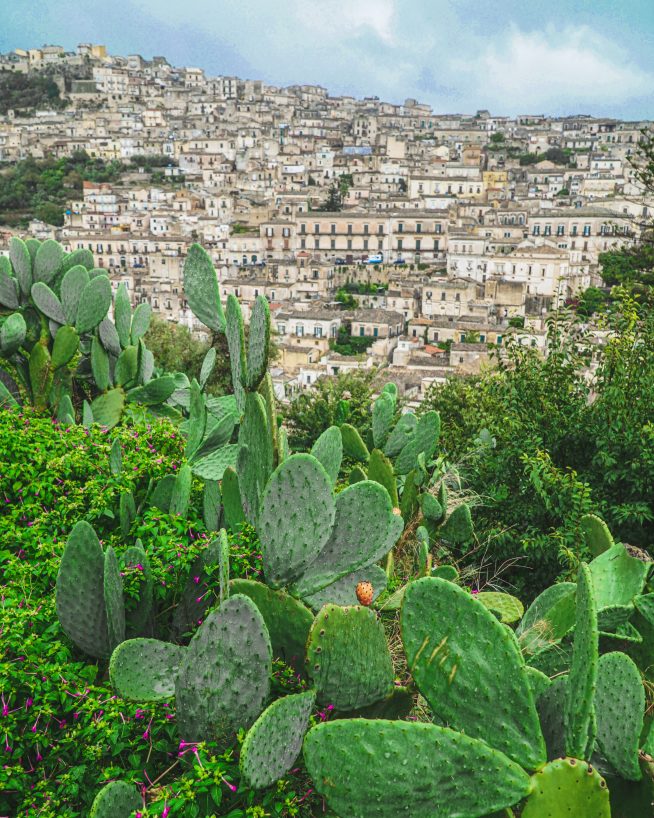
pixel 491 747
pixel 89 593
pixel 315 542
pixel 59 347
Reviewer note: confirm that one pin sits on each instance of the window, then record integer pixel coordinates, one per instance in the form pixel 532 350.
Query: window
pixel 361 332
pixel 442 296
pixel 418 227
pixel 365 229
pixel 574 230
pixel 349 244
pixel 375 331
pixel 333 229
pixel 399 244
pixel 439 228
pixel 380 228
pixel 400 227
pixel 560 230
pixel 303 244
pixel 457 297
pixel 332 244
pixel 281 329
pixel 548 230
pixel 586 230
pixel 349 229
pixel 316 228
pixel 417 245
pixel 317 331
pixel 299 330
pixel 365 244
pixel 499 340
pixel 536 230
pixel 303 228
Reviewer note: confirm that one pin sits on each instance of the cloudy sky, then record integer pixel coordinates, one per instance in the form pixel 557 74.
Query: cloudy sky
pixel 510 56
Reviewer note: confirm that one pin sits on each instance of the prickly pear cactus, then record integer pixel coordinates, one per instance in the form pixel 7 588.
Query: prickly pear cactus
pixel 274 741
pixel 80 594
pixel 568 787
pixel 348 659
pixel 469 668
pixel 328 449
pixel 116 800
pixel 382 769
pixel 201 289
pixel 224 679
pixel 596 534
pixel 579 712
pixel 145 670
pixel 297 515
pixel 288 621
pixel 620 711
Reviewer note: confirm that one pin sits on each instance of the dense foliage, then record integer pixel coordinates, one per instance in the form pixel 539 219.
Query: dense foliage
pixel 28 92
pixel 557 446
pixel 43 188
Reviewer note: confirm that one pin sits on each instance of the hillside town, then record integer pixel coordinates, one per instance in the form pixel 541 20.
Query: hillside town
pixel 381 234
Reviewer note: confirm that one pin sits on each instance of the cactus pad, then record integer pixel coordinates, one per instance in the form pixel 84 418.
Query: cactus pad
pixel 197 596
pixel 201 288
pixel 457 528
pixel 258 343
pixel 231 497
pixel 275 739
pixel 424 440
pixel 551 705
pixel 255 460
pixel 620 710
pixel 113 599
pixel 353 445
pixel 297 514
pixel 365 529
pixel 565 788
pixel 383 410
pixel 94 304
pixel 80 595
pixel 401 434
pixel 507 608
pixel 343 591
pixel 583 669
pixel 476 685
pixel 288 621
pixel 224 680
pixel 380 469
pixel 21 261
pixel 596 534
pixel 138 613
pixel 107 409
pixel 348 659
pixel 617 577
pixel 47 302
pixel 328 449
pixel 144 670
pixel 116 800
pixel 382 769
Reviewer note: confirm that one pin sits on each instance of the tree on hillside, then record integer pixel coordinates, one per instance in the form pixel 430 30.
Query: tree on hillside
pixel 316 410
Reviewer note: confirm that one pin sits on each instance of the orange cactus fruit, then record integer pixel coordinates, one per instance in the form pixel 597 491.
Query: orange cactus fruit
pixel 364 593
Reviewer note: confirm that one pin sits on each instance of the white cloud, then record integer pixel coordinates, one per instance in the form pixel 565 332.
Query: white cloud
pixel 342 18
pixel 553 69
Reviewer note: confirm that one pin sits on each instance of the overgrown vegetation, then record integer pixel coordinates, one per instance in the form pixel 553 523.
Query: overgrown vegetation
pixel 42 188
pixel 28 92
